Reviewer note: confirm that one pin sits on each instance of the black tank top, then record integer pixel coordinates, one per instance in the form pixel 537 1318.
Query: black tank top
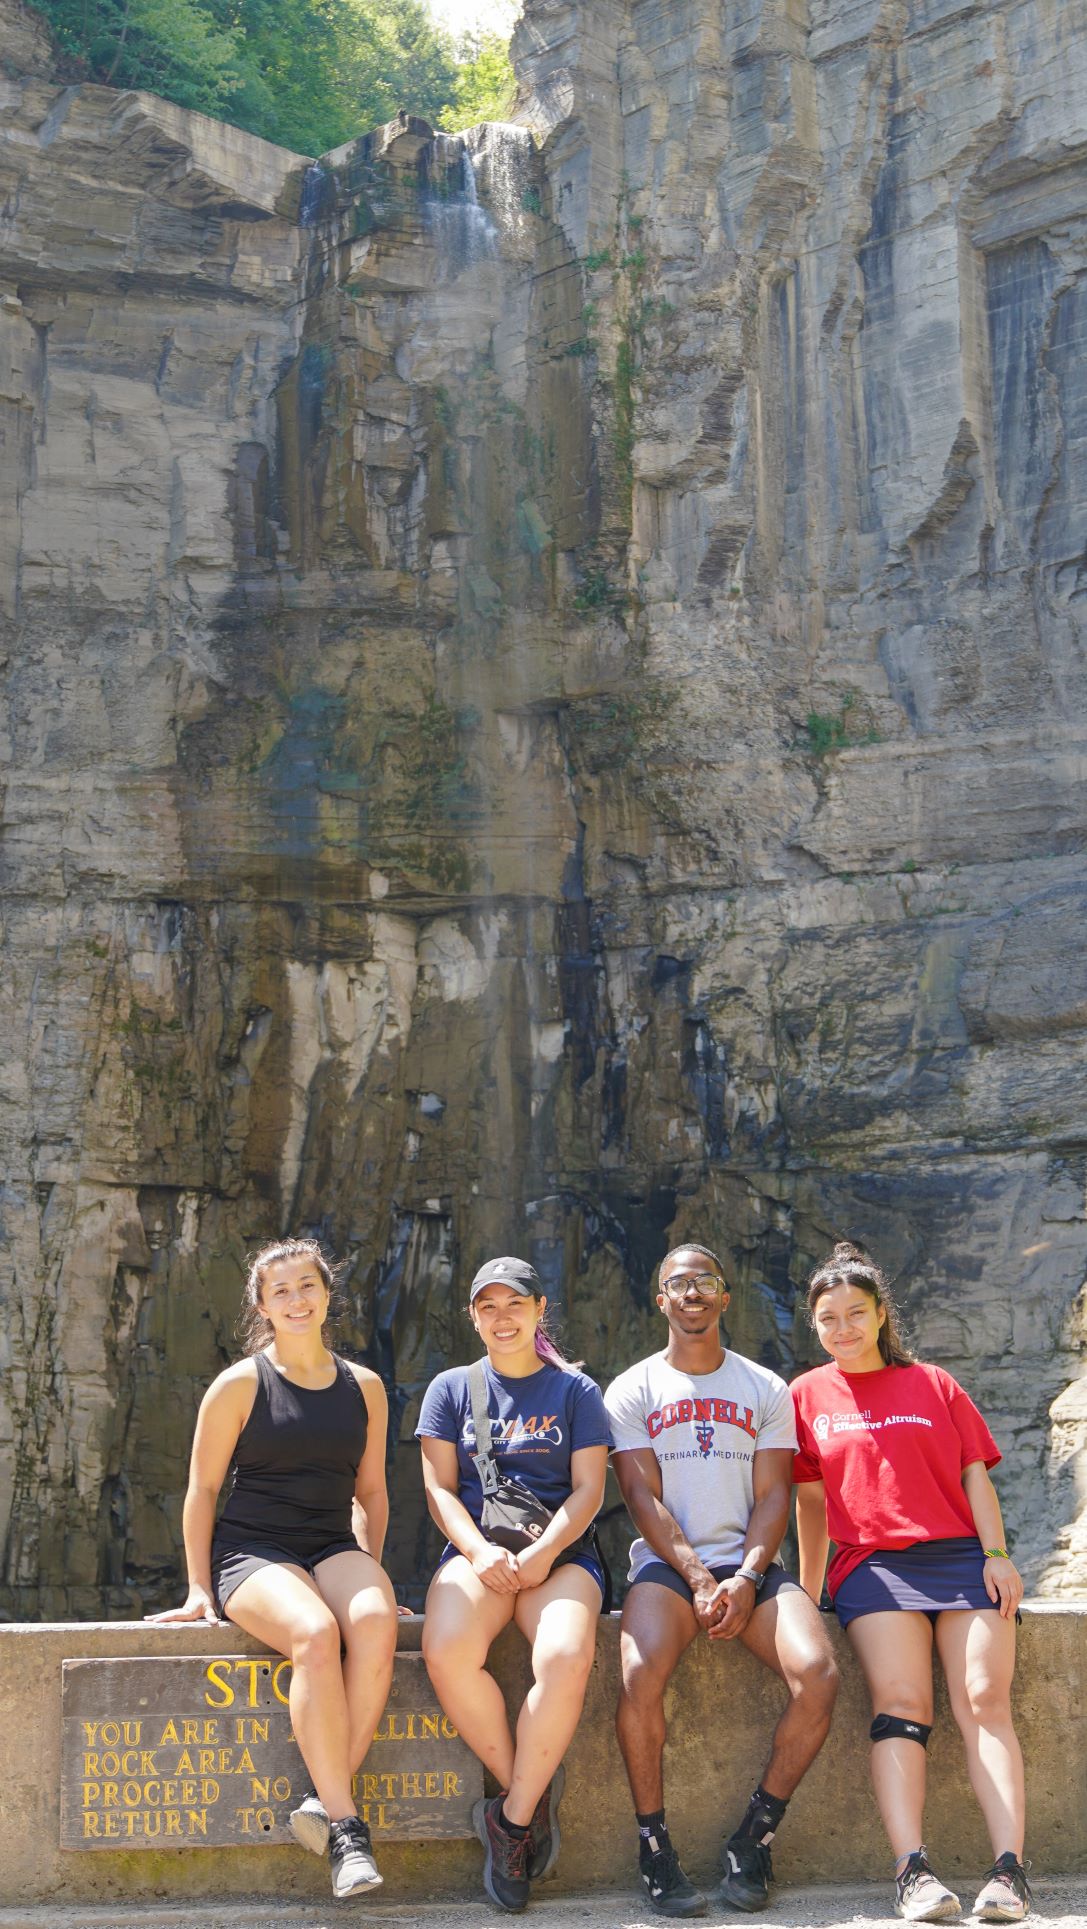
pixel 295 1463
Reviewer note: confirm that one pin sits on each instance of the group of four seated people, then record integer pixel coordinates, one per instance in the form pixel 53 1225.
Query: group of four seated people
pixel 889 1458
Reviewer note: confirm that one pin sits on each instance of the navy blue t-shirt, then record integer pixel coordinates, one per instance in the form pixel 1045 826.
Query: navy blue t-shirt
pixel 536 1424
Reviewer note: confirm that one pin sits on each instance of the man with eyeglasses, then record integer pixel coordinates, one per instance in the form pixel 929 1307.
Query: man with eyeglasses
pixel 703 1452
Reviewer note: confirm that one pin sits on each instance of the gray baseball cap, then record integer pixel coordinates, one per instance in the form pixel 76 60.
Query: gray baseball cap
pixel 514 1273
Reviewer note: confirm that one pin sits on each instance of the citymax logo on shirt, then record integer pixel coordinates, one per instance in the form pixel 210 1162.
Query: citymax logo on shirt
pixel 680 1413
pixel 522 1430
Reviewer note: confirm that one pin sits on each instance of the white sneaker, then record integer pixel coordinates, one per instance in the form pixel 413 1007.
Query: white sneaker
pixel 352 1857
pixel 920 1896
pixel 1006 1896
pixel 308 1823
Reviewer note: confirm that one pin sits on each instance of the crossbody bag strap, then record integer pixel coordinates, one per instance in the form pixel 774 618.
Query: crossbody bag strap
pixel 481 1427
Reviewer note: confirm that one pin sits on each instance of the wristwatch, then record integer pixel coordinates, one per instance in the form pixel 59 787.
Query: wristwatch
pixel 750 1574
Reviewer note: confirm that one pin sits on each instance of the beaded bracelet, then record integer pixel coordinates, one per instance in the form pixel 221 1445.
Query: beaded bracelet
pixel 996 1554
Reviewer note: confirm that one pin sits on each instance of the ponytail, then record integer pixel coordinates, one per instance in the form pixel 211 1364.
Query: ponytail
pixel 849 1265
pixel 547 1350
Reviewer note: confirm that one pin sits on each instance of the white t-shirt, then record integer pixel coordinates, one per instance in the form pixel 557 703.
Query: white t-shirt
pixel 704 1429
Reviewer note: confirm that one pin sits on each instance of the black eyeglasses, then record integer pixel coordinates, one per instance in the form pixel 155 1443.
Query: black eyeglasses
pixel 706 1285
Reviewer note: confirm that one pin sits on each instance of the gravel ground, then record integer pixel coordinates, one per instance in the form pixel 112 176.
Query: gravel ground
pixel 1061 1901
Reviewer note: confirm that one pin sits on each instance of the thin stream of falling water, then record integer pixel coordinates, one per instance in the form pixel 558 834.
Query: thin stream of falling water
pixel 421 1280
pixel 463 231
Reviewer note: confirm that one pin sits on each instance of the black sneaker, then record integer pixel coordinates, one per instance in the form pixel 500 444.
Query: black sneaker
pixel 748 1874
pixel 506 1857
pixel 544 1828
pixel 1007 1894
pixel 309 1824
pixel 352 1857
pixel 668 1889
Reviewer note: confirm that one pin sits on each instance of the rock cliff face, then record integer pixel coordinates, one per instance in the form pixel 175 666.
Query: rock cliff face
pixel 544 710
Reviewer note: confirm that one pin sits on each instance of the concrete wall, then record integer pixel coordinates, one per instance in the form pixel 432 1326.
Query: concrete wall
pixel 721 1709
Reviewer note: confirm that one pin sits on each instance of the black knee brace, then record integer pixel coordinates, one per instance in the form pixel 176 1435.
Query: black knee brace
pixel 893 1728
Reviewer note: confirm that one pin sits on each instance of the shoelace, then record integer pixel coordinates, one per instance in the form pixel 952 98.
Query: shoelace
pixel 516 1850
pixel 916 1869
pixel 352 1833
pixel 664 1868
pixel 1009 1869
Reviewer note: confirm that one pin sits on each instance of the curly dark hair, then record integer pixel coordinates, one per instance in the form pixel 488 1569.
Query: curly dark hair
pixel 850 1265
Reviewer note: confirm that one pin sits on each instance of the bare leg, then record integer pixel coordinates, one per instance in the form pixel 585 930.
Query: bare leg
pixel 977 1650
pixel 282 1607
pixel 786 1634
pixel 657 1627
pixel 462 1619
pixel 895 1652
pixel 361 1598
pixel 559 1619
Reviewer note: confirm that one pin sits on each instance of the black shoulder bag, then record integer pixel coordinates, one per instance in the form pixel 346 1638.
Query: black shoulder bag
pixel 512 1515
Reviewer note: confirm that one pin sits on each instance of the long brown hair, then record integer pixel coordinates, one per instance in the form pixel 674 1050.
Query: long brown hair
pixel 849 1265
pixel 254 1328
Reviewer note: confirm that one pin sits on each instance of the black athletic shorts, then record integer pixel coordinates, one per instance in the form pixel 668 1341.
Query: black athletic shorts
pixel 230 1566
pixel 777 1578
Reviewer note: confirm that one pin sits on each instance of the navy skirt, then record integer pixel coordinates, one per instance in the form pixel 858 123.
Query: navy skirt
pixel 929 1578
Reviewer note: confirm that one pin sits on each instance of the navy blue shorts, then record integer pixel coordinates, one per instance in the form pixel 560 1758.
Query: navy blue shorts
pixel 777 1578
pixel 932 1577
pixel 588 1561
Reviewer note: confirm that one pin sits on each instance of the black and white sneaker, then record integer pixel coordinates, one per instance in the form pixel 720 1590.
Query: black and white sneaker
pixel 352 1857
pixel 668 1889
pixel 748 1874
pixel 308 1823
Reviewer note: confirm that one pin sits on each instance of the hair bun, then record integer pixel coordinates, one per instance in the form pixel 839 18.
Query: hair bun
pixel 846 1253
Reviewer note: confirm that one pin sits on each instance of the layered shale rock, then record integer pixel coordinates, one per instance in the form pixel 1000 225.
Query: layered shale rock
pixel 544 685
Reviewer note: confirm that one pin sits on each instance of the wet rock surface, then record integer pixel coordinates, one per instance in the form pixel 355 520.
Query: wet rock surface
pixel 543 701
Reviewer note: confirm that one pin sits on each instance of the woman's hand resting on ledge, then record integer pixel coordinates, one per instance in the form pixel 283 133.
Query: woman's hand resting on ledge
pixel 197 1606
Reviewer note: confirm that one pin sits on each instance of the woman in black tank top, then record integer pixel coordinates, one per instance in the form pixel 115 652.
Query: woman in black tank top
pixel 294 1557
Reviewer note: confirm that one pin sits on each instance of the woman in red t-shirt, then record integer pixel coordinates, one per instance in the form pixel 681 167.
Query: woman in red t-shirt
pixel 892 1466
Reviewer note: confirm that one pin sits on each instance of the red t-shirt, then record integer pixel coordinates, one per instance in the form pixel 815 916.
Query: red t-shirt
pixel 891 1447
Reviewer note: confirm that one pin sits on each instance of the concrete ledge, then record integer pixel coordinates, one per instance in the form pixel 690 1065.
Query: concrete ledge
pixel 721 1708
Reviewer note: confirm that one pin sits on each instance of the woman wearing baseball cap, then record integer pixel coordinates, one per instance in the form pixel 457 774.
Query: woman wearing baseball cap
pixel 547 1458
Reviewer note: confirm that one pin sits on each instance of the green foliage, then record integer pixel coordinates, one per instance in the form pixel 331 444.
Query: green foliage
pixel 841 731
pixel 309 74
pixel 601 259
pixel 485 90
pixel 596 591
pixel 619 733
pixel 185 49
pixel 624 416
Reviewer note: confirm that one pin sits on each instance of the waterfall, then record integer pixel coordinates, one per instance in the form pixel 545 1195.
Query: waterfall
pixel 503 153
pixel 463 230
pixel 315 183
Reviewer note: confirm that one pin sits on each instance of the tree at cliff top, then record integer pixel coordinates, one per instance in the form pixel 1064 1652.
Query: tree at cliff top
pixel 485 81
pixel 309 74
